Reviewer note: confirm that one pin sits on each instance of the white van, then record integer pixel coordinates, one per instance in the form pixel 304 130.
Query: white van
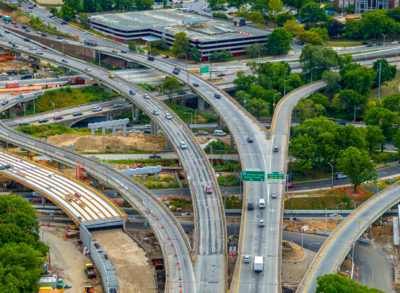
pixel 219 133
pixel 261 203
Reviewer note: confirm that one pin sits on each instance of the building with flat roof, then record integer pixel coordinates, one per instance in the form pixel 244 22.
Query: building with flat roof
pixel 206 34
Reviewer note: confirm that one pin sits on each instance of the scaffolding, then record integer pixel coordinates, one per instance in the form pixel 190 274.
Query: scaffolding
pixel 363 6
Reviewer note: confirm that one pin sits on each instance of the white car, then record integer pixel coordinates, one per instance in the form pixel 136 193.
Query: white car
pixel 146 96
pixel 274 194
pixel 261 223
pixel 168 116
pixel 96 109
pixel 88 69
pixel 134 131
pixel 32 48
pixel 39 52
pixel 183 145
pixel 155 112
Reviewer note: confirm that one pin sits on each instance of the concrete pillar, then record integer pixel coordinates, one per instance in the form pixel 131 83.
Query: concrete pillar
pixel 12 112
pixel 103 131
pixel 4 145
pixel 200 104
pixel 143 177
pixel 220 123
pixel 135 112
pixel 43 199
pixel 153 127
pixel 95 182
pixel 169 146
pixel 232 142
pixel 60 166
pixel 156 176
pixel 114 131
pixel 92 131
pixel 124 130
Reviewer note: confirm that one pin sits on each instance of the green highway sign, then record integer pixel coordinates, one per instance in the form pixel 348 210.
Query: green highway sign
pixel 204 69
pixel 275 175
pixel 253 175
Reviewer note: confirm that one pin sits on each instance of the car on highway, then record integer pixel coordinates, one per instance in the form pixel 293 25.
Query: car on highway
pixel 43 120
pixel 117 105
pixel 64 60
pixel 246 258
pixel 43 35
pixel 44 47
pixel 250 139
pixel 39 52
pixel 147 131
pixel 165 57
pixel 276 149
pixel 155 112
pixel 183 145
pixel 250 206
pixel 340 176
pixel 261 223
pixel 96 109
pixel 58 118
pixel 87 69
pixel 77 114
pixel 176 71
pixel 132 92
pixel 124 51
pixel 59 38
pixel 20 97
pixel 150 58
pixel 63 22
pixel 7 166
pixel 261 203
pixel 274 194
pixel 7 32
pixel 32 48
pixel 208 190
pixel 5 102
pixel 23 124
pixel 146 96
pixel 110 75
pixel 217 96
pixel 291 185
pixel 221 75
pixel 168 116
pixel 195 84
pixel 27 40
pixel 134 130
pixel 154 156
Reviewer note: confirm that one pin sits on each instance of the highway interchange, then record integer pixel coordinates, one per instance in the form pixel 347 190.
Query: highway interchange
pixel 256 156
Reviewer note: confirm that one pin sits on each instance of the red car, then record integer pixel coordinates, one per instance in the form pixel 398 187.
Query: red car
pixel 208 190
pixel 58 117
pixel 291 185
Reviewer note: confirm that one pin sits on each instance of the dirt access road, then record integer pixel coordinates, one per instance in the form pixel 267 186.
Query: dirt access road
pixel 134 272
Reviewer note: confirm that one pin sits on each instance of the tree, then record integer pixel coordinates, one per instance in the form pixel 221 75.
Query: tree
pixel 296 4
pixel 293 27
pixel 256 17
pixel 352 29
pixel 350 9
pixel 374 136
pixel 322 31
pixel 274 7
pixel 144 4
pixel 394 13
pixel 332 80
pixel 310 37
pixel 170 85
pixel 84 19
pixel 181 45
pixel 392 102
pixel 317 59
pixel 283 17
pixel 67 12
pixel 373 23
pixel 220 15
pixel 132 46
pixel 334 283
pixel 360 80
pixel 261 6
pixel 388 71
pixel 396 141
pixel 307 109
pixel 376 115
pixel 279 41
pixel 356 164
pixel 336 28
pixel 346 101
pixel 53 10
pixel 243 82
pixel 222 55
pixel 195 54
pixel 215 4
pixel 258 108
pixel 312 13
pixel 255 50
pixel 237 3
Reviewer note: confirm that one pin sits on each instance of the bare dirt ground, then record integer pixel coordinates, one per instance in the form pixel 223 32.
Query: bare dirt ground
pixel 292 251
pixel 134 272
pixel 293 271
pixel 111 143
pixel 67 260
pixel 312 224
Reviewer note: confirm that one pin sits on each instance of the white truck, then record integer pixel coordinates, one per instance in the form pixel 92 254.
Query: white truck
pixel 258 264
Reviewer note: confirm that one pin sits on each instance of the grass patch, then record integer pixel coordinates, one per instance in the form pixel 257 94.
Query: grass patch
pixel 200 117
pixel 219 147
pixel 145 162
pixel 50 130
pixel 232 202
pixel 160 183
pixel 342 43
pixel 388 88
pixel 312 174
pixel 142 119
pixel 228 181
pixel 329 201
pixel 149 87
pixel 226 165
pixel 179 203
pixel 66 97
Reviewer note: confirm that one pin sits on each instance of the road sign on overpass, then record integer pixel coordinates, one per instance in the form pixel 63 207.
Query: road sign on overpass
pixel 253 175
pixel 275 175
pixel 204 69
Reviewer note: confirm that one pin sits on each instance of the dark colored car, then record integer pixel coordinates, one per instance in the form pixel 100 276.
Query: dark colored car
pixel 77 114
pixel 150 58
pixel 217 96
pixel 250 206
pixel 165 57
pixel 23 124
pixel 147 131
pixel 250 139
pixel 43 120
pixel 63 22
pixel 221 75
pixel 154 156
pixel 195 84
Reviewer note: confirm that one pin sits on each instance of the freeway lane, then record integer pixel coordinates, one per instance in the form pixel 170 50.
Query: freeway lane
pixel 136 194
pixel 336 247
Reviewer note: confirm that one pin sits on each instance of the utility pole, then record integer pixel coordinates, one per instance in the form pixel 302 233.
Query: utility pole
pixel 354 118
pixel 379 87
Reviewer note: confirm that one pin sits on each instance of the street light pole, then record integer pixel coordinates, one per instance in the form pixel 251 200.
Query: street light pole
pixel 190 126
pixel 284 88
pixel 326 222
pixel 332 174
pixel 54 106
pixel 274 100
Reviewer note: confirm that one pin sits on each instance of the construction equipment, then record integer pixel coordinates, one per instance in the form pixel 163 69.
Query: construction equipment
pixel 88 289
pixel 89 269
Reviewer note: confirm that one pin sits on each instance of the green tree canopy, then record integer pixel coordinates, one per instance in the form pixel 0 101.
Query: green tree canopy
pixel 374 137
pixel 258 107
pixel 281 18
pixel 243 82
pixel 222 55
pixel 356 164
pixel 384 118
pixel 312 13
pixel 360 80
pixel 170 85
pixel 388 71
pixel 181 45
pixel 392 102
pixel 345 101
pixel 334 283
pixel 318 59
pixel 274 7
pixel 332 80
pixel 279 41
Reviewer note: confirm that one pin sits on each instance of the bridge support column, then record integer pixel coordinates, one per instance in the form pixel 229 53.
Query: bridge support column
pixel 12 112
pixel 4 145
pixel 232 142
pixel 60 166
pixel 135 112
pixel 143 177
pixel 43 199
pixel 169 146
pixel 92 131
pixel 124 130
pixel 155 175
pixel 200 104
pixel 103 131
pixel 95 182
pixel 154 127
pixel 114 131
pixel 220 123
